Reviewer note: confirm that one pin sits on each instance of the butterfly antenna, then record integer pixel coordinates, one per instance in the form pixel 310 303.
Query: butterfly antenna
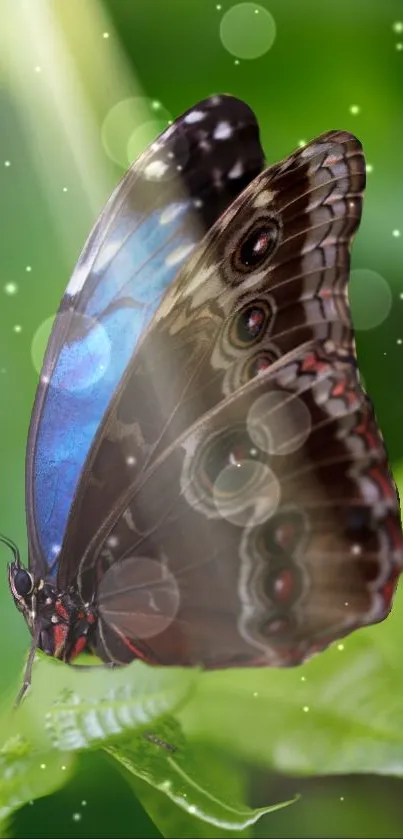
pixel 13 547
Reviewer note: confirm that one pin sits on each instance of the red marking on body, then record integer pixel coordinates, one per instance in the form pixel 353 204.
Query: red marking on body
pixel 61 611
pixel 79 646
pixel 59 634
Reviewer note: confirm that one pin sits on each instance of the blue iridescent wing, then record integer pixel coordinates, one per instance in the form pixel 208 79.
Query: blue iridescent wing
pixel 160 210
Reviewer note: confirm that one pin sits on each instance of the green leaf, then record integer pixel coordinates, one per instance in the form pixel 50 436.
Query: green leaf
pixel 78 708
pixel 26 774
pixel 199 782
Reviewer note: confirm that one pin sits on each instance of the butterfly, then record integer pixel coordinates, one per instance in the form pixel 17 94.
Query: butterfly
pixel 206 481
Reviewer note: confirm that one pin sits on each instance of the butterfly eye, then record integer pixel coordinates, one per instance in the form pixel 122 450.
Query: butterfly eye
pixel 250 324
pixel 258 244
pixel 23 582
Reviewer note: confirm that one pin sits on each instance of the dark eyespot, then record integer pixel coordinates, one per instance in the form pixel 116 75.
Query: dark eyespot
pixel 23 582
pixel 233 449
pixel 249 325
pixel 282 535
pixel 258 364
pixel 258 244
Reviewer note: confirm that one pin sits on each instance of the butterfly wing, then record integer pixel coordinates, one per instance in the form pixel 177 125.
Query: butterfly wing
pixel 269 529
pixel 162 207
pixel 271 274
pixel 245 510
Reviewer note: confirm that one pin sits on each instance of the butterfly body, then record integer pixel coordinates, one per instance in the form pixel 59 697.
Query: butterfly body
pixel 206 480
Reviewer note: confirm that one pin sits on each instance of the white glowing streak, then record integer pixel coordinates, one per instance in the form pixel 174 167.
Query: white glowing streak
pixel 55 105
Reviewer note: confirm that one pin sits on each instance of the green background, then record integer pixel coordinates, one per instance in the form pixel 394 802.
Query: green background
pixel 60 77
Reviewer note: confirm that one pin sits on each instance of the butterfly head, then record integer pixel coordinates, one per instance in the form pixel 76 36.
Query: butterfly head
pixel 24 590
pixel 59 623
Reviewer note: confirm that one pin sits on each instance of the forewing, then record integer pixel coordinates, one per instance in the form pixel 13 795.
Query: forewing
pixel 160 210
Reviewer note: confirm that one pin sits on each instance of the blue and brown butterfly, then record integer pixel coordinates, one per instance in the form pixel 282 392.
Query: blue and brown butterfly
pixel 206 480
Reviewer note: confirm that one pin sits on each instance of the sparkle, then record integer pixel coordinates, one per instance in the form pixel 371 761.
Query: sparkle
pixel 11 288
pixel 219 7
pixel 354 109
pixel 65 189
pixel 401 295
pixel 112 542
pixel 38 69
pixel 356 550
pixel 398 26
pixel 236 61
pixel 156 105
pixel 76 817
pixel 43 765
pixel 17 327
pixel 301 143
pixel 399 341
pixel 63 768
pixel 155 169
pixel 105 35
pixel 369 168
pixel 7 163
pixel 303 678
pixel 28 268
pixel 306 709
pixel 396 233
pixel 83 803
pixel 342 798
pixel 192 809
pixel 130 460
pixel 255 693
pixel 340 647
pixel 346 603
pixel 399 46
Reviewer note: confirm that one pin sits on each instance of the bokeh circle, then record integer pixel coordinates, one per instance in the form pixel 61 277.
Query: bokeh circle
pixel 130 126
pixel 247 30
pixel 370 298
